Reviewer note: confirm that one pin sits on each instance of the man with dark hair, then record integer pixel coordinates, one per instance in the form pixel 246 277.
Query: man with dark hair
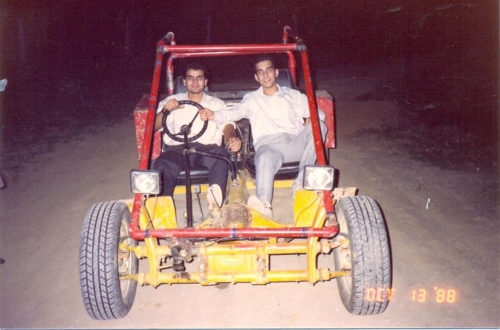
pixel 171 161
pixel 280 134
pixel 263 58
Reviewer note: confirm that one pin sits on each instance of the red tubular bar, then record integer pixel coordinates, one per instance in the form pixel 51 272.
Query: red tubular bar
pixel 207 54
pixel 200 53
pixel 318 141
pixel 169 68
pixel 229 48
pixel 134 229
pixel 292 66
pixel 237 233
pixel 285 35
pixel 148 130
pixel 152 104
pixel 311 98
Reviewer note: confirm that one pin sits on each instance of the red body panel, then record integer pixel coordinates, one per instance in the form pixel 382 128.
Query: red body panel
pixel 140 116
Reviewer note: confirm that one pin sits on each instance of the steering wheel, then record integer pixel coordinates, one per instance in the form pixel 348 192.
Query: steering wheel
pixel 185 129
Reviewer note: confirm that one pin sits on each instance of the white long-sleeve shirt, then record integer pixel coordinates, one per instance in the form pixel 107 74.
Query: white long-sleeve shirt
pixel 282 112
pixel 183 116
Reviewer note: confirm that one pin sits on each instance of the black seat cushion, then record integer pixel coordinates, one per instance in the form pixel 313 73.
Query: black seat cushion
pixel 199 175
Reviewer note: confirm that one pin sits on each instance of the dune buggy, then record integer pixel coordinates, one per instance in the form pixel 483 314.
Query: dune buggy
pixel 234 243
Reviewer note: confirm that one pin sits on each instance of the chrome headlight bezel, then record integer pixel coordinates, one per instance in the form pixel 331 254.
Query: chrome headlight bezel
pixel 145 182
pixel 318 177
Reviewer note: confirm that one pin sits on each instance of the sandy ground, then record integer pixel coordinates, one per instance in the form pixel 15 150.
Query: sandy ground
pixel 443 225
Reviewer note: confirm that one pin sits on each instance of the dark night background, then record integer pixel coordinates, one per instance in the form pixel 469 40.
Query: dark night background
pixel 75 64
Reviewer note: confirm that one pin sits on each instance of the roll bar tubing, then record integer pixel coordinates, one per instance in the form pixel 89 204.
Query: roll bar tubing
pixel 170 66
pixel 168 45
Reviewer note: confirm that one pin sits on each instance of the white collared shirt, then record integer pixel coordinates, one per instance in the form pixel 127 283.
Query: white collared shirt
pixel 183 116
pixel 282 112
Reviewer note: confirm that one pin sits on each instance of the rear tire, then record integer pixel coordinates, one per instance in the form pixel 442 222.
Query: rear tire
pixel 105 295
pixel 366 255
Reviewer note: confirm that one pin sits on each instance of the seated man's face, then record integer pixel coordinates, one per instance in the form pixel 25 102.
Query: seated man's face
pixel 266 74
pixel 195 81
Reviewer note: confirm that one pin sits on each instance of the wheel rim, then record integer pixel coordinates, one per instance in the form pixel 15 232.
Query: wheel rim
pixel 125 258
pixel 343 262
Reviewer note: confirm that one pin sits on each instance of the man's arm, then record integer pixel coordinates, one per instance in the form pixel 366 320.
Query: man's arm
pixel 235 113
pixel 158 120
pixel 231 140
pixel 170 105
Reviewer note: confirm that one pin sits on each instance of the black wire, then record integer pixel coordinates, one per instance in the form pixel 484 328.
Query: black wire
pixel 199 203
pixel 211 193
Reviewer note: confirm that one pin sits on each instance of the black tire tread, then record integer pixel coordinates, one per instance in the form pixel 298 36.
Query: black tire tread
pixel 99 280
pixel 370 256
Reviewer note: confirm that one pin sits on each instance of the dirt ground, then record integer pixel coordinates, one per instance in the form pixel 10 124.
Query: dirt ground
pixel 440 202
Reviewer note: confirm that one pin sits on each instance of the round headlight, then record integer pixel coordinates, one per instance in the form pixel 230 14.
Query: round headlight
pixel 146 183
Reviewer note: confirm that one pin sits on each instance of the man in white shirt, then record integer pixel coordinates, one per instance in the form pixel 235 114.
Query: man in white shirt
pixel 280 135
pixel 171 162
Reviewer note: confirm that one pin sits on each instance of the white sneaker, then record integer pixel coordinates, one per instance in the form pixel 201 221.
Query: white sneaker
pixel 214 197
pixel 297 185
pixel 260 205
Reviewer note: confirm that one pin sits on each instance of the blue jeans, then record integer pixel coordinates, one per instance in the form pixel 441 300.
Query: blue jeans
pixel 274 150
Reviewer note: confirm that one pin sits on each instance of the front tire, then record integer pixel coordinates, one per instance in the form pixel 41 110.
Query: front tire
pixel 364 252
pixel 105 295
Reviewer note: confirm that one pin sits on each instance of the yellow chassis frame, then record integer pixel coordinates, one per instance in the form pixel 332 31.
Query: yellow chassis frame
pixel 237 261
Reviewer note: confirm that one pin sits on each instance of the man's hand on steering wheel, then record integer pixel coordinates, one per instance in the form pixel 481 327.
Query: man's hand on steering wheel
pixel 206 114
pixel 185 129
pixel 171 105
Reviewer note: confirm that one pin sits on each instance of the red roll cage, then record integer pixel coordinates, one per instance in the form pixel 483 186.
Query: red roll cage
pixel 168 45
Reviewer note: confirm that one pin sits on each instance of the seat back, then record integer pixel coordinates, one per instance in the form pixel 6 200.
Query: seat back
pixel 179 85
pixel 284 78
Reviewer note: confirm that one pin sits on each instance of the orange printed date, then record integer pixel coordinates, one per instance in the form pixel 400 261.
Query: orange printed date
pixel 438 295
pixel 379 294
